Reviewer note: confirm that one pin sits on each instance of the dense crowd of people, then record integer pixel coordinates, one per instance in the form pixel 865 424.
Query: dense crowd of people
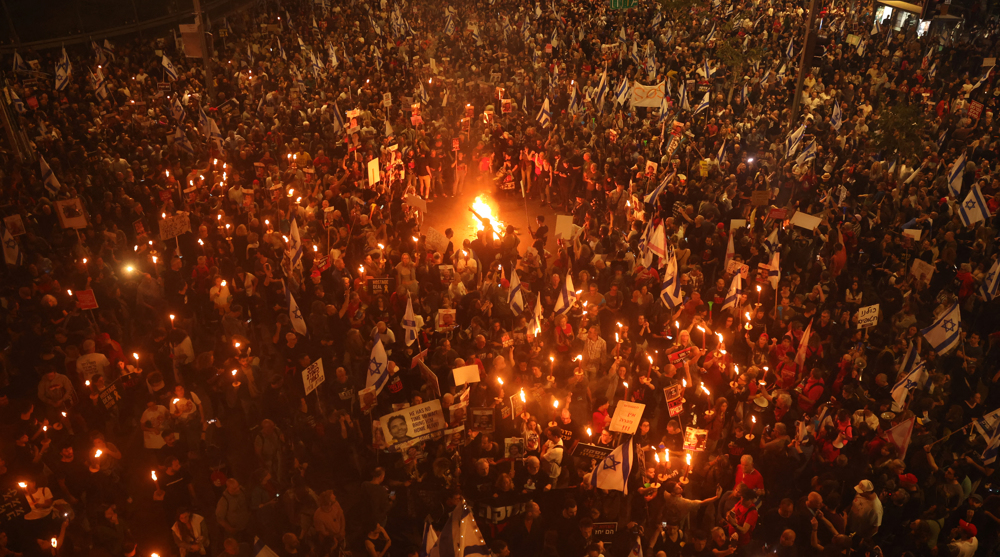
pixel 229 330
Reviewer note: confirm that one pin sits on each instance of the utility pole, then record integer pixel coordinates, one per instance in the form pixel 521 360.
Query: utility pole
pixel 207 58
pixel 804 65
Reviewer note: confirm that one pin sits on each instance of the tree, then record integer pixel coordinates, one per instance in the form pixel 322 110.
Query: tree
pixel 677 7
pixel 897 129
pixel 730 52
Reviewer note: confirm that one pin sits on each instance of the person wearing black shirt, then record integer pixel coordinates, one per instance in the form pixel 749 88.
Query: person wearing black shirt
pixel 342 391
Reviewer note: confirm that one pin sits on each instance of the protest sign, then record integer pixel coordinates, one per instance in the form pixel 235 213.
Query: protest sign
pixel 373 172
pixel 172 227
pixel 483 419
pixel 564 227
pixel 695 439
pixel 922 270
pixel 584 450
pixel 71 213
pixel 627 416
pixel 413 423
pixel 648 95
pixel 805 220
pixel 85 299
pixel 868 316
pixel 466 374
pixel 313 376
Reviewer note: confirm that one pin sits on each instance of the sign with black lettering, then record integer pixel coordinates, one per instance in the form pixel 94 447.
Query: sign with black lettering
pixel 13 506
pixel 605 532
pixel 110 396
pixel 591 451
pixel 380 285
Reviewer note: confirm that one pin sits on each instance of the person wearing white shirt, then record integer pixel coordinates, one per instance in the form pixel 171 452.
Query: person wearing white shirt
pixel 92 363
pixel 152 421
pixel 552 452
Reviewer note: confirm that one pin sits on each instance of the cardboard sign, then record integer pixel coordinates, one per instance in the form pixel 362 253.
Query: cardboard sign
pixel 387 100
pixel 14 225
pixel 483 419
pixel 681 356
pixel 922 270
pixel 413 424
pixel 466 374
pixel 163 86
pixel 914 233
pixel 564 227
pixel 313 376
pixel 368 398
pixel 975 110
pixel 695 439
pixel 777 214
pixel 71 213
pixel 584 450
pixel 627 417
pixel 868 316
pixel 174 226
pixel 85 299
pixel 805 220
pixel 373 172
pixel 759 198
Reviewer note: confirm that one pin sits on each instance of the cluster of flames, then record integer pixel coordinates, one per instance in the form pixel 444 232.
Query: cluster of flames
pixel 486 211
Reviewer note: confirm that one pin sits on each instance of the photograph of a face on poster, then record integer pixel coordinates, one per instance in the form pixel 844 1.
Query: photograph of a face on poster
pixel 412 423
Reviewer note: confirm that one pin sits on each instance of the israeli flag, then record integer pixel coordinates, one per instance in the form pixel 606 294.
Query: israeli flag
pixel 102 90
pixel 168 68
pixel 944 332
pixel 622 93
pixel 214 134
pixel 992 448
pixel 861 47
pixel 182 142
pixel 933 71
pixel 653 195
pixel 974 208
pixel 602 92
pixel 684 104
pixel 703 105
pixel 706 69
pixel 18 103
pixel 294 315
pixel 876 28
pixel 567 296
pixel 664 110
pixel 449 25
pixel 790 51
pixel 735 291
pixel 332 53
pixel 460 536
pixel 774 270
pixel 983 79
pixel 378 371
pixel 429 540
pixel 808 154
pixel 955 175
pixel 19 64
pixel 657 19
pixel 656 242
pixel 611 474
pixel 711 35
pixel 837 119
pixel 424 97
pixel 991 283
pixel 515 298
pixel 203 119
pixel 479 39
pixel 294 245
pixel 781 71
pixel 64 69
pixel 794 139
pixel 11 250
pixel 634 54
pixel 317 67
pixel 721 155
pixel 912 380
pixel 338 120
pixel 281 51
pixel 52 185
pixel 109 49
pixel 771 242
pixel 544 116
pixel 574 101
pixel 315 25
pixel 409 323
pixel 670 291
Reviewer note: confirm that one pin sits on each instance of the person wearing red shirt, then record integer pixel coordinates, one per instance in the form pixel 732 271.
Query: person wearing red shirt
pixel 742 518
pixel 747 475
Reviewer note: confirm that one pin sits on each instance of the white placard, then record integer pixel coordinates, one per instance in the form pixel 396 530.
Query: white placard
pixel 466 374
pixel 627 417
pixel 417 203
pixel 564 227
pixel 805 220
pixel 737 223
pixel 988 62
pixel 373 172
pixel 868 316
pixel 313 376
pixel 436 240
pixel 914 233
pixel 413 423
pixel 387 100
pixel 922 270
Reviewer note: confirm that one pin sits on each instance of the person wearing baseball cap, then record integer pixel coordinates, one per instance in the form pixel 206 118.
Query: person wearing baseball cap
pixel 865 516
pixel 964 543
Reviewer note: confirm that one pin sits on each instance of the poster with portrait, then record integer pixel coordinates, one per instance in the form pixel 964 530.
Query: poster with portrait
pixel 71 213
pixel 483 419
pixel 695 439
pixel 447 273
pixel 513 447
pixel 445 320
pixel 457 413
pixel 368 398
pixel 14 225
pixel 412 424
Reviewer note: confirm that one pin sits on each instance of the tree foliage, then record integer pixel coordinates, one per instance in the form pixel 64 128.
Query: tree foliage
pixel 897 129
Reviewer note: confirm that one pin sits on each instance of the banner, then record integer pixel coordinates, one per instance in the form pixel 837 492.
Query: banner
pixel 412 424
pixel 648 95
pixel 313 376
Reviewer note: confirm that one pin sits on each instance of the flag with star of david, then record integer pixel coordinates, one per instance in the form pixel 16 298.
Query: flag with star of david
pixel 944 332
pixel 974 208
pixel 295 315
pixel 378 371
pixel 990 285
pixel 11 250
pixel 612 473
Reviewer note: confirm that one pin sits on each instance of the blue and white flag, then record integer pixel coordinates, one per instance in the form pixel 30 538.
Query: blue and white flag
pixel 634 54
pixel 11 250
pixel 409 323
pixel 955 175
pixel 636 547
pixel 657 19
pixel 182 142
pixel 294 245
pixel 378 370
pixel 664 110
pixel 703 105
pixel 622 93
pixel 711 35
pixel 683 94
pixel 17 102
pixel 574 101
pixel 317 67
pixel 670 290
pixel 460 536
pixel 808 154
pixel 19 64
pixel 515 298
pixel 611 474
pixel 988 289
pixel 933 70
pixel 974 208
pixel 281 51
pixel 295 315
pixel 983 79
pixel 793 140
pixel 992 448
pixel 771 242
pixel 109 49
pixel 566 297
pixel 912 380
pixel 774 270
pixel 203 119
pixel 429 540
pixel 449 25
pixel 653 195
pixel 169 69
pixel 944 332
pixel 214 135
pixel 790 51
pixel 735 291
pixel 837 119
pixel 544 116
pixel 424 97
pixel 876 27
pixel 721 155
pixel 64 69
pixel 52 185
pixel 602 92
